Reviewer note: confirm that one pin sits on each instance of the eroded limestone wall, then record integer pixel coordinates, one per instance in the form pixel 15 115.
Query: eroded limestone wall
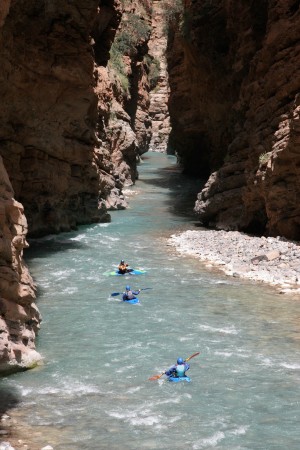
pixel 234 75
pixel 49 113
pixel 19 316
pixel 159 94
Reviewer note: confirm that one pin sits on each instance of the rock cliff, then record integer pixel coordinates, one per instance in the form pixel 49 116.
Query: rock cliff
pixel 234 106
pixel 65 156
pixel 159 83
pixel 73 123
pixel 19 316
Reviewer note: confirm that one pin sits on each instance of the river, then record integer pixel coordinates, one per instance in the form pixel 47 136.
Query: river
pixel 93 392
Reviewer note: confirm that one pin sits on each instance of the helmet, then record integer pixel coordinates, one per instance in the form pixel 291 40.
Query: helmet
pixel 127 288
pixel 179 361
pixel 122 261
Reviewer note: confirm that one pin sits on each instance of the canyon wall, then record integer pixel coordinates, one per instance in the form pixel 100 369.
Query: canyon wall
pixel 234 105
pixel 19 316
pixel 73 124
pixel 159 83
pixel 70 134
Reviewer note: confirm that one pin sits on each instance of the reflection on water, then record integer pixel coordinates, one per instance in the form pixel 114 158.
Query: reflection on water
pixel 93 390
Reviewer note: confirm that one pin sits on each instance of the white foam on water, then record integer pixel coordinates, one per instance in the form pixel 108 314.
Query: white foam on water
pixel 266 361
pixel 209 442
pixel 61 274
pixel 67 388
pixel 80 237
pixel 186 338
pixel 226 330
pixel 143 417
pixel 148 421
pixel 69 290
pixel 240 430
pixel 110 238
pixel 226 354
pixel 290 366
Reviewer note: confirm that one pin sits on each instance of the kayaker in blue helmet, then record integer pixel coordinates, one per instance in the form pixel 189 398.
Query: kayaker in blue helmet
pixel 178 370
pixel 129 294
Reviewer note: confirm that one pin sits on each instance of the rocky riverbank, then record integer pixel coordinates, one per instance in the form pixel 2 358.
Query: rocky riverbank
pixel 275 261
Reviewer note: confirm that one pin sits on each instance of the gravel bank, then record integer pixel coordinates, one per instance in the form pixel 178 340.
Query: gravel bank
pixel 275 261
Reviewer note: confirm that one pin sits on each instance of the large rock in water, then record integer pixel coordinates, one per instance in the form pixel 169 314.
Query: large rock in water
pixel 235 110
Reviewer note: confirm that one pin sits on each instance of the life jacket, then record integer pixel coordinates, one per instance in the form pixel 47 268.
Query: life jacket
pixel 122 268
pixel 180 370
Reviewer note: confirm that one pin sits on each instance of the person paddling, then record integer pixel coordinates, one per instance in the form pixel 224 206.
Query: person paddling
pixel 178 369
pixel 129 294
pixel 123 267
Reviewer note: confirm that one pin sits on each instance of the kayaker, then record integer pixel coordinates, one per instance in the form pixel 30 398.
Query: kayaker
pixel 178 370
pixel 129 294
pixel 122 267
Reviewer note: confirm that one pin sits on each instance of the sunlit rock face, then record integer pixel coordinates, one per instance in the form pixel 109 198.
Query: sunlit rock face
pixel 159 94
pixel 19 316
pixel 128 124
pixel 234 105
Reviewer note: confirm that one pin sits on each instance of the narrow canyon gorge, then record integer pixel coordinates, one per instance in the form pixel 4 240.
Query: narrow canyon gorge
pixel 88 87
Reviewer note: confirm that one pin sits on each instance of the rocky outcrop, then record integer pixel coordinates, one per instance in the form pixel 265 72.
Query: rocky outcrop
pixel 48 120
pixel 19 316
pixel 234 107
pixel 159 93
pixel 128 125
pixel 66 158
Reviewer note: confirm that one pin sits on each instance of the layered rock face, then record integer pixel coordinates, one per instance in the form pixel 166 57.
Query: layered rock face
pixel 64 159
pixel 159 94
pixel 127 124
pixel 49 114
pixel 234 76
pixel 19 316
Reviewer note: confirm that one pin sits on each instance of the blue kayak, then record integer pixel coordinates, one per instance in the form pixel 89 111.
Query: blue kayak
pixel 131 272
pixel 133 301
pixel 177 379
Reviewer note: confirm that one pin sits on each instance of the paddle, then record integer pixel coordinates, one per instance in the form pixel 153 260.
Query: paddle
pixel 114 294
pixel 156 377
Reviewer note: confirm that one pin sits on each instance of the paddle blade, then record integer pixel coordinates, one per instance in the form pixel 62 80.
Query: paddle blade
pixel 156 377
pixel 192 356
pixel 114 294
pixel 145 289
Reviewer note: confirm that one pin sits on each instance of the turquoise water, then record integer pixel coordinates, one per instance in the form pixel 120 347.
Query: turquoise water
pixel 93 390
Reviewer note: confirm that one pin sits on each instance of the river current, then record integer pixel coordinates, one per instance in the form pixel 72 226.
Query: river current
pixel 93 392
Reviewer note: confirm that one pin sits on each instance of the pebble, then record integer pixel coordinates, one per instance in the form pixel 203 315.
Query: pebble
pixel 272 260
